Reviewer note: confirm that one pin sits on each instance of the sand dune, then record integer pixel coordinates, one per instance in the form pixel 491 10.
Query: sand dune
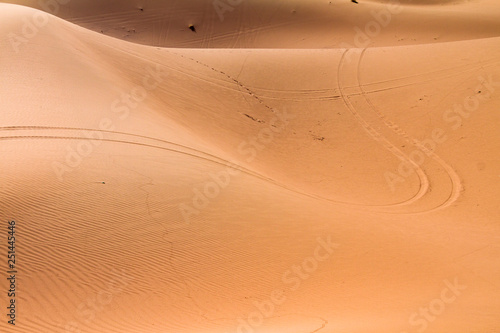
pixel 272 172
pixel 287 24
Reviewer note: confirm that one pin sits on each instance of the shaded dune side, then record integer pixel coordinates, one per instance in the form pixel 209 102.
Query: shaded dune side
pixel 423 2
pixel 280 24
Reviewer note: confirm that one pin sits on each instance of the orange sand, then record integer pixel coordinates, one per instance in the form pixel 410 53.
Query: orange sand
pixel 299 166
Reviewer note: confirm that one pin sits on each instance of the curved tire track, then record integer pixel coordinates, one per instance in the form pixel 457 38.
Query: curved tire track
pixel 455 180
pixel 376 136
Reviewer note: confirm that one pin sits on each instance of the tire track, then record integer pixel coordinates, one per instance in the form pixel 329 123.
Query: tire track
pixel 221 162
pixel 375 135
pixel 431 76
pixel 228 164
pixel 455 180
pixel 211 81
pixel 210 158
pixel 239 83
pixel 7 128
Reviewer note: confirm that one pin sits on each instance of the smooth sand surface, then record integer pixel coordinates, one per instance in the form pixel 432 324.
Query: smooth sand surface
pixel 291 168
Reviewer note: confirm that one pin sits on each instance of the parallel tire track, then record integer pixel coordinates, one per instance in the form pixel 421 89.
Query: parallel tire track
pixel 375 135
pixel 455 180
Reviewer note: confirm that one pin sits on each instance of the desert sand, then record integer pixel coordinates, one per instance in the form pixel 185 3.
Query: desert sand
pixel 250 166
